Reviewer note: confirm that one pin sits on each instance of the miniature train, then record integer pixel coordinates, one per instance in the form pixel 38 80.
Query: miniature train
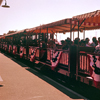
pixel 33 46
pixel 71 63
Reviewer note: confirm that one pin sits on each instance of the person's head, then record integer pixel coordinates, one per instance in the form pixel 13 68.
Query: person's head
pixel 68 39
pixel 82 43
pixel 87 40
pixel 94 39
pixel 52 42
pixel 99 39
pixel 76 41
pixel 62 42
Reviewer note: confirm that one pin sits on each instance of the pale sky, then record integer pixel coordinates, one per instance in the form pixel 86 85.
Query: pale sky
pixel 24 14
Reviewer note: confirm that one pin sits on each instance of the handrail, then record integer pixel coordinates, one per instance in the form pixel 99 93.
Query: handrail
pixel 58 49
pixel 95 54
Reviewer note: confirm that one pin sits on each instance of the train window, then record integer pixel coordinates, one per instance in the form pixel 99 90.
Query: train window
pixel 41 45
pixel 22 37
pixel 33 37
pixel 48 35
pixel 37 36
pixel 26 37
pixel 20 40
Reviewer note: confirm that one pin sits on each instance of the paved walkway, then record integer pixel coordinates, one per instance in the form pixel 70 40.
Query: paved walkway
pixel 21 84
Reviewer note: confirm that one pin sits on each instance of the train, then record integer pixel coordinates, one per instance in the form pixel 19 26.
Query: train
pixel 35 45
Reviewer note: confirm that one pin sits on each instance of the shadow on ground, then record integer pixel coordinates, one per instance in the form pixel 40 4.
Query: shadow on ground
pixel 1 85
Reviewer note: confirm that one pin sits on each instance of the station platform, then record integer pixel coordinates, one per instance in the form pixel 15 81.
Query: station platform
pixel 22 83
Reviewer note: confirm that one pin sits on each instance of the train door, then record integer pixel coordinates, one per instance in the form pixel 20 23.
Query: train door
pixel 44 37
pixel 32 42
pixel 22 45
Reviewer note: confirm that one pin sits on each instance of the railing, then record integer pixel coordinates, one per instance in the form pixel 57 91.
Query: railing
pixel 37 52
pixel 24 51
pixel 15 47
pixel 11 47
pixel 0 45
pixel 64 57
pixel 48 54
pixel 3 46
pixel 83 63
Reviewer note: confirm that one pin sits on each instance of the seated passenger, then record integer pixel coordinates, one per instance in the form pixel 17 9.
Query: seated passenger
pixel 53 45
pixel 97 48
pixel 98 40
pixel 76 41
pixel 56 42
pixel 43 51
pixel 82 43
pixel 62 42
pixel 87 42
pixel 94 43
pixel 65 46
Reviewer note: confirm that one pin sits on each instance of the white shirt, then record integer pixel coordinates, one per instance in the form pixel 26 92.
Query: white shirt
pixel 97 48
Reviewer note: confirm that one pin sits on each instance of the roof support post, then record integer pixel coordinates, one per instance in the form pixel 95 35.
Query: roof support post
pixel 47 37
pixel 84 34
pixel 39 35
pixel 47 33
pixel 56 35
pixel 27 45
pixel 71 29
pixel 39 42
pixel 77 57
pixel 78 28
pixel 73 35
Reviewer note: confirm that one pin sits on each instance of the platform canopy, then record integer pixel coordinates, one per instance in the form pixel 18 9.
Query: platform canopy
pixel 88 21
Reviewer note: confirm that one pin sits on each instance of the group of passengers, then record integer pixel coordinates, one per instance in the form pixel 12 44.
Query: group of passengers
pixel 65 44
pixel 85 42
pixel 94 43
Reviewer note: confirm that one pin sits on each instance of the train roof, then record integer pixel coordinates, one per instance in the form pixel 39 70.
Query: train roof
pixel 54 27
pixel 89 21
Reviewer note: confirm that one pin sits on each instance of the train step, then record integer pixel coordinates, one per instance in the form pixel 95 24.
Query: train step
pixel 41 65
pixel 62 71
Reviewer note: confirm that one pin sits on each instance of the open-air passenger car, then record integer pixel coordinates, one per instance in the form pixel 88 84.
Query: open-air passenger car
pixel 32 45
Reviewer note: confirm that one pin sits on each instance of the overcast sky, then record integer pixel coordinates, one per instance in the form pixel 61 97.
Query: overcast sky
pixel 24 14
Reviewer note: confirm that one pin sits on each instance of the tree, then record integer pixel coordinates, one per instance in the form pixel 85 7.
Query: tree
pixel 11 32
pixel 4 33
